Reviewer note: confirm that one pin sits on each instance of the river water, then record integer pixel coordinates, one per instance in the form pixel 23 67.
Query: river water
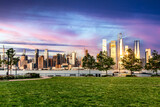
pixel 78 72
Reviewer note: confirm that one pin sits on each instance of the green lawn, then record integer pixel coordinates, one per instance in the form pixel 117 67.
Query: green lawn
pixel 83 91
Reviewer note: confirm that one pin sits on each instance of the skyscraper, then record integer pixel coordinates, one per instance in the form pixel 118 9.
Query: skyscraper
pixel 22 64
pixel 120 51
pixel 46 58
pixel 73 58
pixel 112 48
pixel 104 45
pixel 54 60
pixel 63 58
pixel 147 55
pixel 41 62
pixel 59 61
pixel 50 62
pixel 137 48
pixel 36 58
pixel 126 49
pixel 3 53
pixel 24 51
pixel 68 59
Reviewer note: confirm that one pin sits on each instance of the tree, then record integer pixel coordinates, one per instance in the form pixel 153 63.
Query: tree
pixel 130 62
pixel 104 62
pixel 154 62
pixel 88 62
pixel 11 60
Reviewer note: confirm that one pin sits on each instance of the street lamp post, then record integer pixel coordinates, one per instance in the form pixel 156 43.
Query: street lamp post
pixel 8 65
pixel 16 72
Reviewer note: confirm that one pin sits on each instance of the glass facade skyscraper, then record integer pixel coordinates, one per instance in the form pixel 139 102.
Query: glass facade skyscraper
pixel 137 48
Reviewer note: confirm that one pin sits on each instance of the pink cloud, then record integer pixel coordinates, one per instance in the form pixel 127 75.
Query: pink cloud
pixel 14 33
pixel 146 31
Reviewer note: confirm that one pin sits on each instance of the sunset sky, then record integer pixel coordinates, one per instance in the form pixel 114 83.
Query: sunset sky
pixel 63 26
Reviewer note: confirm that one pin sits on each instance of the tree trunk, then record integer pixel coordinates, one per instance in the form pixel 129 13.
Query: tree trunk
pixel 7 70
pixel 8 65
pixel 11 69
pixel 156 72
pixel 106 72
pixel 16 72
pixel 7 73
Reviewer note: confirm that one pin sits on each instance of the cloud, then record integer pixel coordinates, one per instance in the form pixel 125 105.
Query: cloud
pixel 109 8
pixel 42 44
pixel 77 24
pixel 32 50
pixel 10 32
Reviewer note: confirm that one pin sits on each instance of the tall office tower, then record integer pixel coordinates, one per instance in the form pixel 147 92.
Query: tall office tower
pixel 50 62
pixel 68 59
pixel 73 58
pixel 120 51
pixel 126 49
pixel 3 53
pixel 112 48
pixel 137 48
pixel 24 52
pixel 46 57
pixel 59 61
pixel 147 55
pixel 36 58
pixel 22 64
pixel 30 66
pixel 54 60
pixel 41 62
pixel 104 45
pixel 63 58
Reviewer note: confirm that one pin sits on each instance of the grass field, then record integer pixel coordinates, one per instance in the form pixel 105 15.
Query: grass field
pixel 83 91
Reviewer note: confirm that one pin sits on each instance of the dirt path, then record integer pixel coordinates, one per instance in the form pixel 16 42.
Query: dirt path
pixel 30 79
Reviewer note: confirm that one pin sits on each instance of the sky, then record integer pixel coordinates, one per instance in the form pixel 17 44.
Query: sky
pixel 64 26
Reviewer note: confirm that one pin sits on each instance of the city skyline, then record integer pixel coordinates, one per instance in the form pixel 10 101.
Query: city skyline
pixel 63 26
pixel 117 50
pixel 105 47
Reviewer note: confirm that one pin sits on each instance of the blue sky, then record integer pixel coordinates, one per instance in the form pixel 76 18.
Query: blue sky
pixel 72 25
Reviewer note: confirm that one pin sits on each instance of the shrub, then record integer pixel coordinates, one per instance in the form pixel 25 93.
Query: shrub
pixel 19 77
pixel 131 76
pixel 8 77
pixel 1 77
pixel 82 74
pixel 154 75
pixel 32 75
pixel 11 76
pixel 89 75
pixel 28 75
pixel 106 76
